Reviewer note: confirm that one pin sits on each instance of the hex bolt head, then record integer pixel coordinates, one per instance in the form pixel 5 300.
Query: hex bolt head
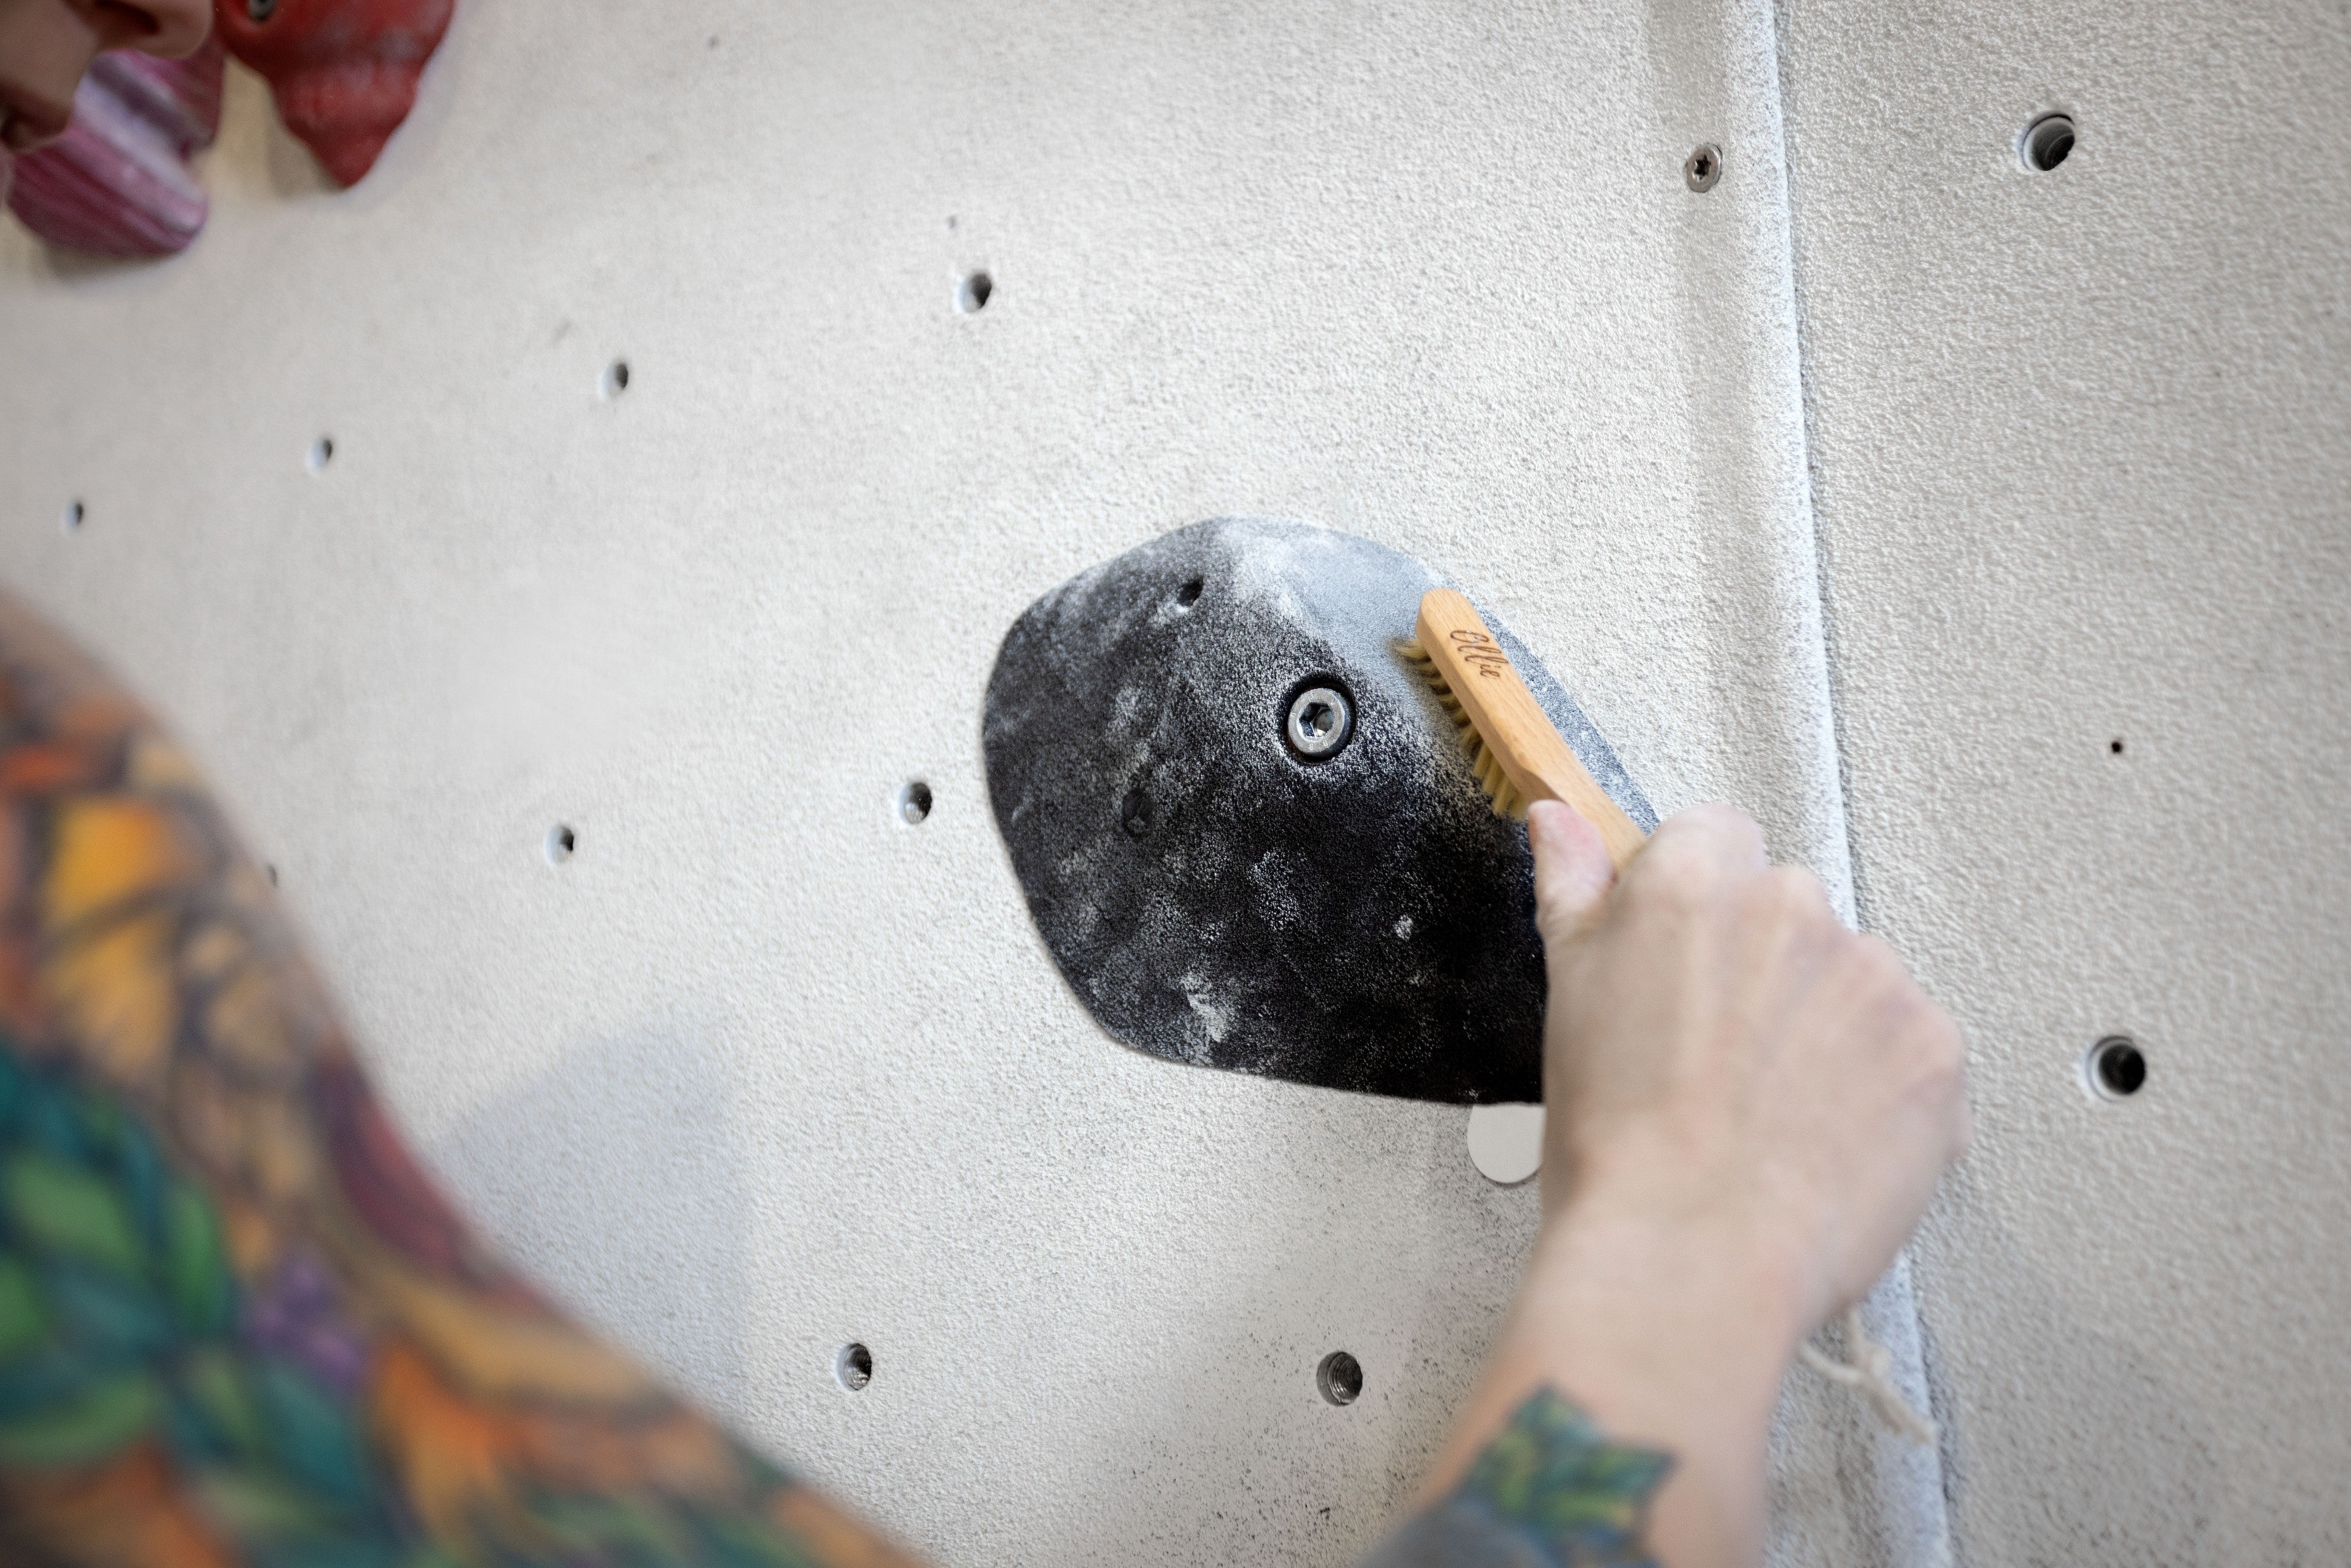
pixel 1320 720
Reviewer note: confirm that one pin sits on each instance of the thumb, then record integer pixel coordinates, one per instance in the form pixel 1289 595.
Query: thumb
pixel 1572 872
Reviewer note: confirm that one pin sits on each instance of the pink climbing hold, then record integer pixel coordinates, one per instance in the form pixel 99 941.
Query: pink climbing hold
pixel 118 181
pixel 344 71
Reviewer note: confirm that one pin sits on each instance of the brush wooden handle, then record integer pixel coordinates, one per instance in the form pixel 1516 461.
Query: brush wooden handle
pixel 1514 724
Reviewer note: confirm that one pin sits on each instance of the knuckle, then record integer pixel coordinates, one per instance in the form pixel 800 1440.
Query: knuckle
pixel 1675 874
pixel 1794 890
pixel 1927 1033
pixel 1884 967
pixel 1723 834
pixel 1788 902
pixel 1931 1039
pixel 1942 1080
pixel 1943 1036
pixel 1713 815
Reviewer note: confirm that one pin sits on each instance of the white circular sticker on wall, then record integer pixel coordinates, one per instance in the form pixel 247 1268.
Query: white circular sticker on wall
pixel 1506 1142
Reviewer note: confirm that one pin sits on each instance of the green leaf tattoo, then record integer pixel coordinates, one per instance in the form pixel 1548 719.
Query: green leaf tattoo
pixel 1552 1475
pixel 1549 1492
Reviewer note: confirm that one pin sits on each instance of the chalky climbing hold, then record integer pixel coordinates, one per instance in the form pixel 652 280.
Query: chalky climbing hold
pixel 1247 832
pixel 344 71
pixel 117 183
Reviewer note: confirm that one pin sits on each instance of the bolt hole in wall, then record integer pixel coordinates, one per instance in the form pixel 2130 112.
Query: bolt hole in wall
pixel 852 1366
pixel 616 380
pixel 2115 1068
pixel 70 520
pixel 561 844
pixel 322 452
pixel 1702 168
pixel 1340 1377
pixel 914 802
pixel 974 292
pixel 2047 142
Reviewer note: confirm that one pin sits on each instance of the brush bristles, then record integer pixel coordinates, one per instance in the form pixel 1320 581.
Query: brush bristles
pixel 1492 778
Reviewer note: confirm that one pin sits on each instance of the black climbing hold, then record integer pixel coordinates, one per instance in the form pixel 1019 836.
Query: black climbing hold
pixel 1357 918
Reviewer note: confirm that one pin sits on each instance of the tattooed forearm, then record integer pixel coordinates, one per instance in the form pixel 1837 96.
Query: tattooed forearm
pixel 237 1323
pixel 1549 1492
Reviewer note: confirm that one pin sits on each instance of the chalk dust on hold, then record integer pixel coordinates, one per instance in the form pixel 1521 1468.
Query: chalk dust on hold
pixel 1360 920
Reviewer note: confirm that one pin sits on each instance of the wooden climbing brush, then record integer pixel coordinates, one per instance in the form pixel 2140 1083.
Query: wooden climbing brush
pixel 1518 753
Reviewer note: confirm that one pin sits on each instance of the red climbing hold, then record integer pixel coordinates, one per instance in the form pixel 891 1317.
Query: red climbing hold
pixel 344 71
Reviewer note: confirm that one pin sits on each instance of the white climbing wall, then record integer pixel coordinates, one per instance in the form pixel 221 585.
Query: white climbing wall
pixel 2081 453
pixel 760 1070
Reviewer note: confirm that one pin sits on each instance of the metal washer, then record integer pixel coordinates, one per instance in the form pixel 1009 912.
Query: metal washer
pixel 1321 721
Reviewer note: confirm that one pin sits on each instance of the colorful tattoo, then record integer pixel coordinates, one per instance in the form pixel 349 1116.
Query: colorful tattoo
pixel 237 1323
pixel 1549 1492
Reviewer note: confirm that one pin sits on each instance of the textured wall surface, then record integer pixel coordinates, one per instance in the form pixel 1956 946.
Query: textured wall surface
pixel 2082 449
pixel 761 1069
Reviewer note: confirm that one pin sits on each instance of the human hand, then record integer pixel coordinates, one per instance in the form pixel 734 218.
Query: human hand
pixel 1726 1064
pixel 45 45
pixel 1749 1108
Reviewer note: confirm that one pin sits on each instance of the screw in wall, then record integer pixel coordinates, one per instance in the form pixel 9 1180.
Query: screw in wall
pixel 1702 168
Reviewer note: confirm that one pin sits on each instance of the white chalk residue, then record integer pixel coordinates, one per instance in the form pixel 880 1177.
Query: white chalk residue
pixel 1215 1016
